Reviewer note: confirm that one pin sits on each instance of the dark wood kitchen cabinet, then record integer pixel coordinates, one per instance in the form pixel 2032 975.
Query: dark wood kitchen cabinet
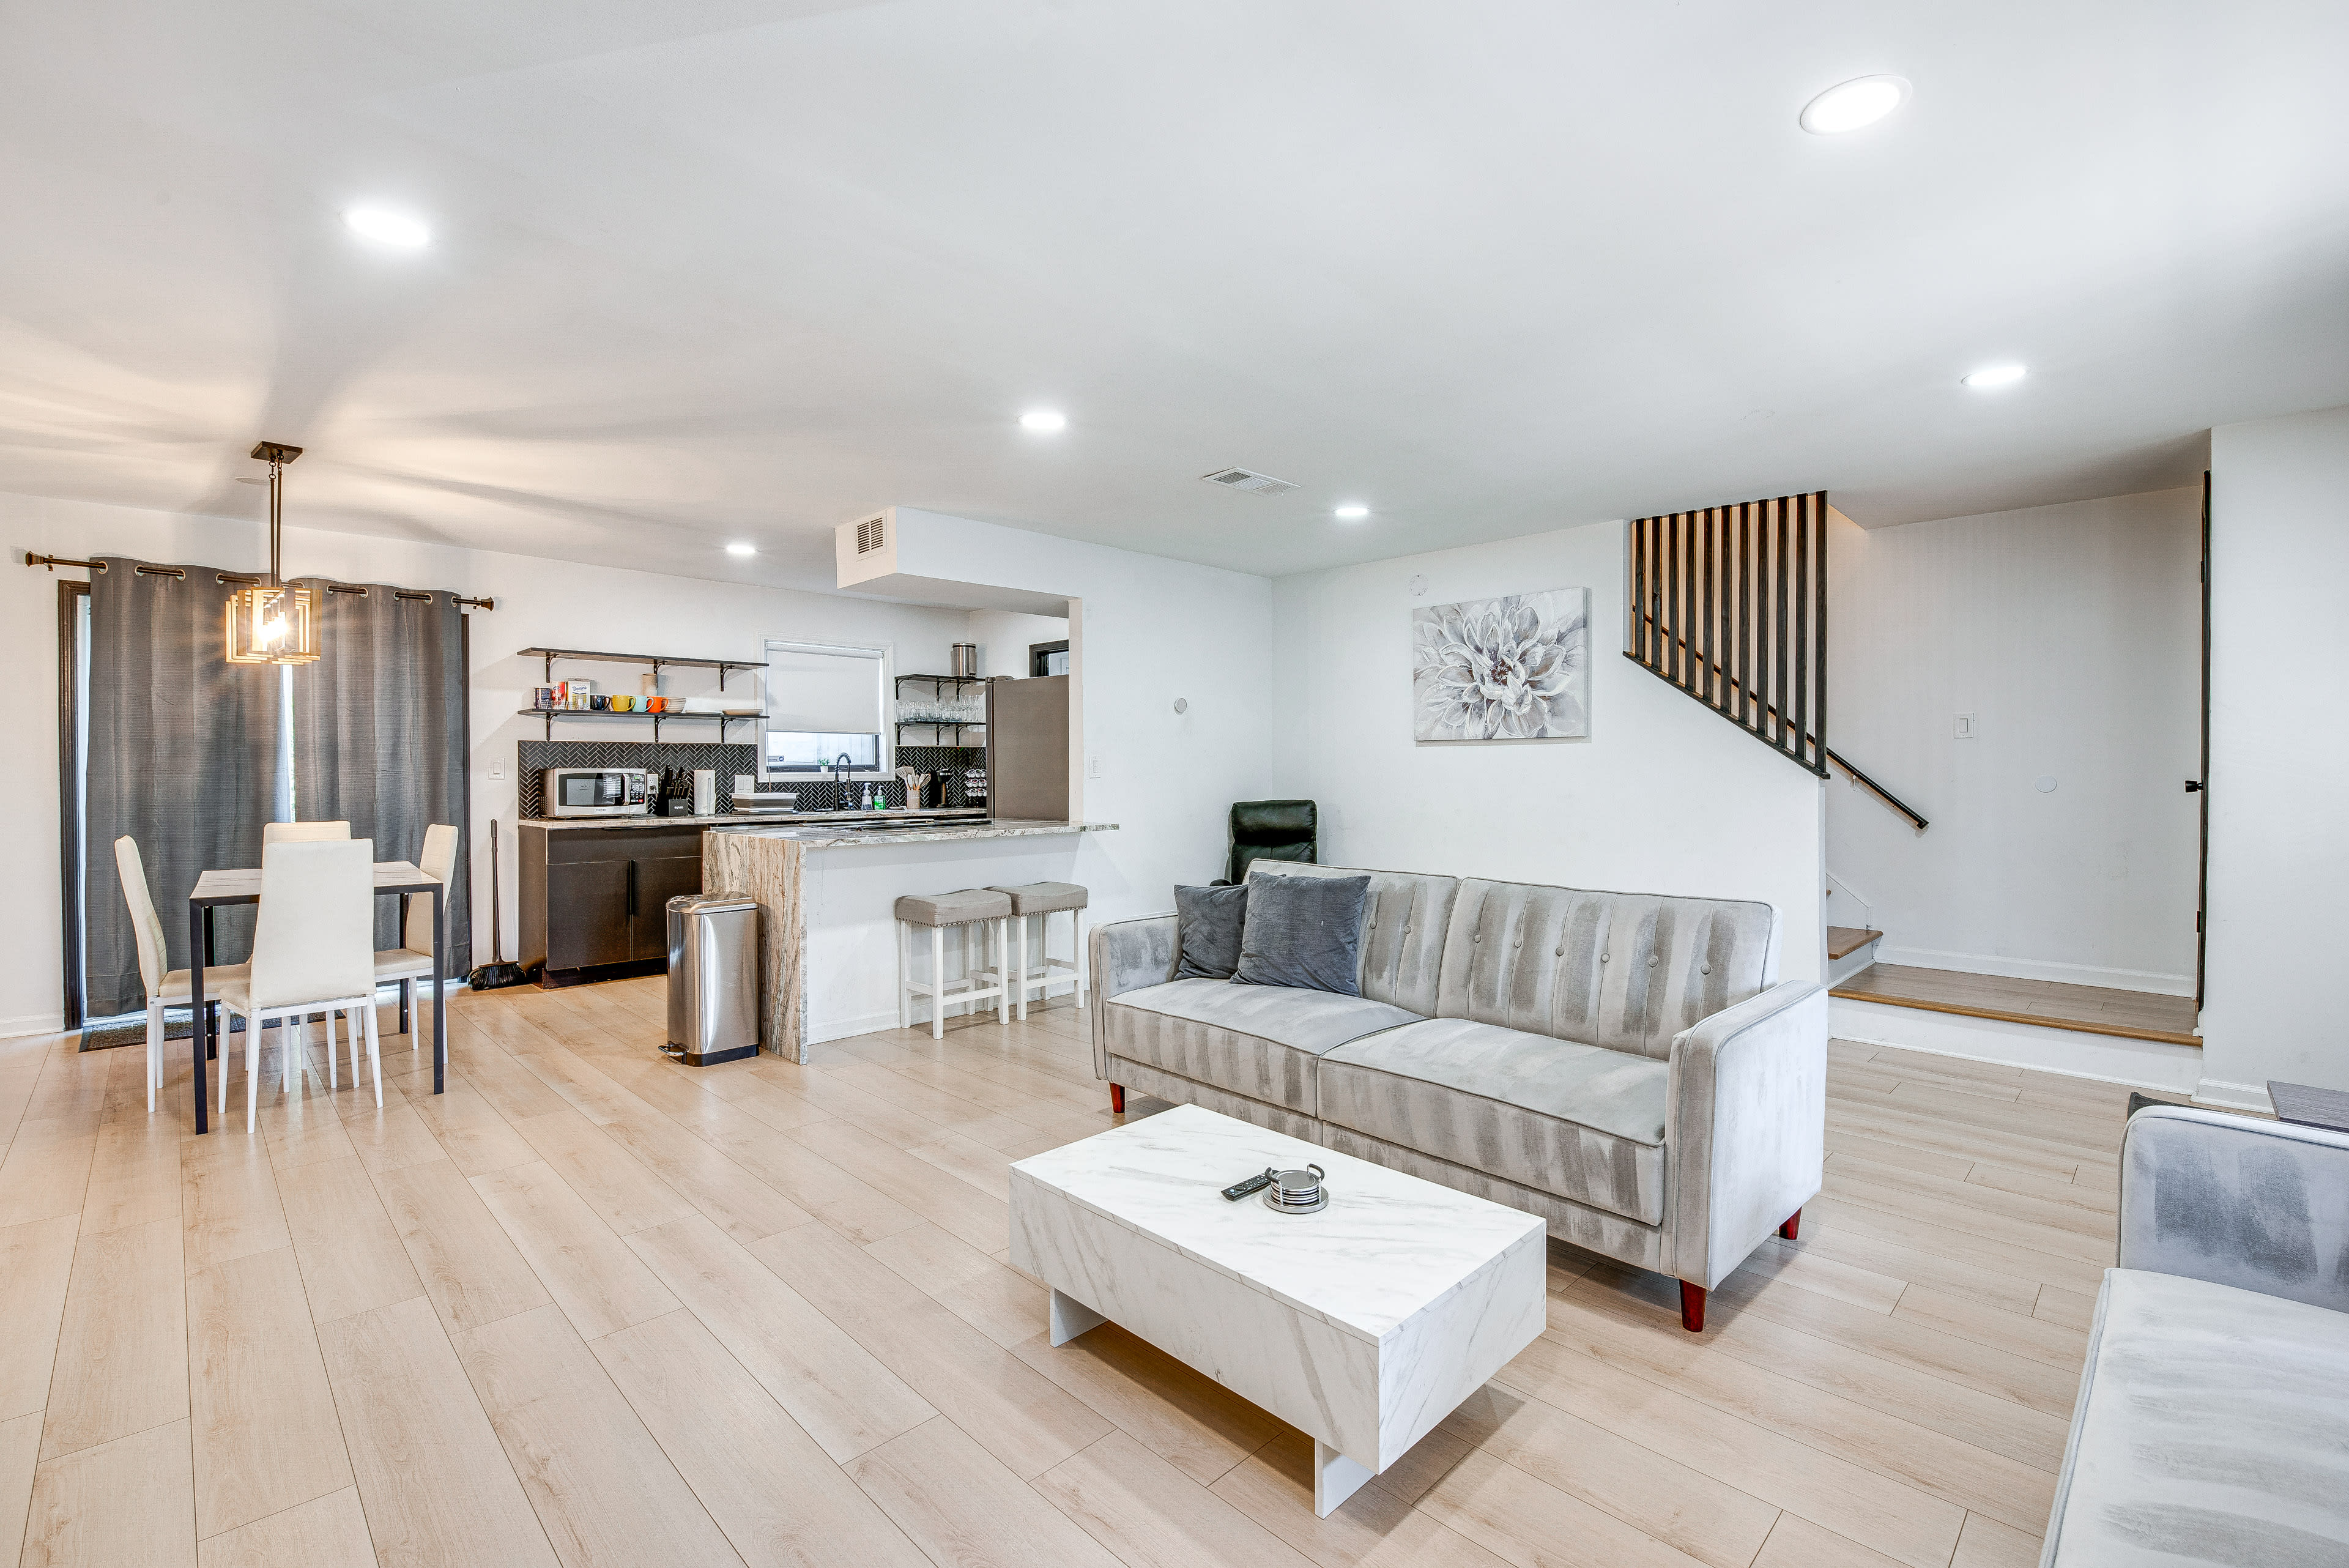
pixel 594 900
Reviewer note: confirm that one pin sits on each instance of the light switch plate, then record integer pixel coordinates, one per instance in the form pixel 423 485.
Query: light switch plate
pixel 1093 766
pixel 1963 729
pixel 498 768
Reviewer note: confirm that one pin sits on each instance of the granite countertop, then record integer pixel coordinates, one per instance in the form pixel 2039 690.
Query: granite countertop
pixel 847 835
pixel 740 818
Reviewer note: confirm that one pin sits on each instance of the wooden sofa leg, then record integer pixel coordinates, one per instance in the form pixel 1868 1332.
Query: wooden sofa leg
pixel 1793 1225
pixel 1117 1099
pixel 1691 1307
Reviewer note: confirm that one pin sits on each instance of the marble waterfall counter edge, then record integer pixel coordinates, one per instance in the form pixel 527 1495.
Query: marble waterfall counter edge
pixel 771 863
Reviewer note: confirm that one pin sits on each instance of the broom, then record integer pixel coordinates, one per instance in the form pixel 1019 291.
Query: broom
pixel 497 972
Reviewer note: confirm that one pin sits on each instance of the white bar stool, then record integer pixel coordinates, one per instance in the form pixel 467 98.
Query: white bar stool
pixel 1040 902
pixel 981 906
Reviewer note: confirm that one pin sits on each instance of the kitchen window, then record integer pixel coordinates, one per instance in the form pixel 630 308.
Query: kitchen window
pixel 825 702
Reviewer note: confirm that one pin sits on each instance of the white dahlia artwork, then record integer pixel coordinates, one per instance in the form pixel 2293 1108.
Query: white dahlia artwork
pixel 1514 668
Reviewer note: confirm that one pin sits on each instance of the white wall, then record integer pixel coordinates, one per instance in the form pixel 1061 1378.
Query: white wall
pixel 1664 797
pixel 2280 757
pixel 1004 638
pixel 1145 630
pixel 2071 634
pixel 543 603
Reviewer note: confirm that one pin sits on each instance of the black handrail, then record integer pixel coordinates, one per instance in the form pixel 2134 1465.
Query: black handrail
pixel 1886 795
pixel 1768 712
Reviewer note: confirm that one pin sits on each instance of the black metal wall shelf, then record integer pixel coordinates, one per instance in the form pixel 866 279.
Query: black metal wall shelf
pixel 655 660
pixel 552 714
pixel 946 680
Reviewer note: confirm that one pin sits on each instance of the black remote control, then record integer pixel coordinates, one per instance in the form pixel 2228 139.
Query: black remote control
pixel 1256 1183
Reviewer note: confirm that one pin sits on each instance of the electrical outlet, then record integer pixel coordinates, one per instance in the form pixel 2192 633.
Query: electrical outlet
pixel 1963 729
pixel 1093 766
pixel 498 768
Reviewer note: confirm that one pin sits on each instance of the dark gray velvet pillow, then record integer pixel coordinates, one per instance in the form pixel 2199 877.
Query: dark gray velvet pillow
pixel 1207 923
pixel 1303 931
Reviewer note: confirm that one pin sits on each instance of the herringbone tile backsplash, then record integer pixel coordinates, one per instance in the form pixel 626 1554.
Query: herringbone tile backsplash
pixel 947 762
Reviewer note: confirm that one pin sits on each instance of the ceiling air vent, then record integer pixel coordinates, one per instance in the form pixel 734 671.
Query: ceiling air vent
pixel 1247 479
pixel 871 535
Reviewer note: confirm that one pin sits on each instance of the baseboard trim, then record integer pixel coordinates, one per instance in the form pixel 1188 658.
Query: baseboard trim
pixel 2109 1059
pixel 862 1023
pixel 32 1023
pixel 2234 1097
pixel 2035 969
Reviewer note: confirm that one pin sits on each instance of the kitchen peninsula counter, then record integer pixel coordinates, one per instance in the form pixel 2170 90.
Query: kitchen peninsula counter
pixel 828 888
pixel 823 835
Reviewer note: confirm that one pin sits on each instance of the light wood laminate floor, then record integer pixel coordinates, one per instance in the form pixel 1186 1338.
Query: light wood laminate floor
pixel 591 1307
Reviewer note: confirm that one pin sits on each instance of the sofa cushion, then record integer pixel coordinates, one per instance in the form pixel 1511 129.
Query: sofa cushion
pixel 2210 1429
pixel 1579 1121
pixel 1207 922
pixel 1402 931
pixel 1305 933
pixel 1629 970
pixel 1261 1041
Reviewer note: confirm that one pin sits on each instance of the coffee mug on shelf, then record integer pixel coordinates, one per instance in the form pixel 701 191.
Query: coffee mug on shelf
pixel 625 704
pixel 600 704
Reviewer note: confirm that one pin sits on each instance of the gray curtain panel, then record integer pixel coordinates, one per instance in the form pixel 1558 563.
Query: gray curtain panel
pixel 182 757
pixel 379 733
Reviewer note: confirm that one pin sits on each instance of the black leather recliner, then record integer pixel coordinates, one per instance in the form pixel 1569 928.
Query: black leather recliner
pixel 1272 830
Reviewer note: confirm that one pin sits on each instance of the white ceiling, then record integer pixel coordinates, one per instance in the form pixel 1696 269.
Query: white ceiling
pixel 713 269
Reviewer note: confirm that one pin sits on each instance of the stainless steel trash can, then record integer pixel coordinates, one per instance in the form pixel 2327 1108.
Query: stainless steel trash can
pixel 713 977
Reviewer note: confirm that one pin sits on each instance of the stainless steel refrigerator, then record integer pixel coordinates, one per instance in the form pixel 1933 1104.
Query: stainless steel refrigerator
pixel 1027 748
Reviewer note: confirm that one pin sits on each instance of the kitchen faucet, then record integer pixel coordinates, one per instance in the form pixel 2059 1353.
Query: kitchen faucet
pixel 839 767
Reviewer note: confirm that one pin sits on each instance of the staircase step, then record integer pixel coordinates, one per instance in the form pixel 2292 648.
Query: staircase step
pixel 1844 941
pixel 2050 1004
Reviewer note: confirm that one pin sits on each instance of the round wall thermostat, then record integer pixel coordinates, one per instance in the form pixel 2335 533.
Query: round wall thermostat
pixel 2044 783
pixel 1181 704
pixel 1419 585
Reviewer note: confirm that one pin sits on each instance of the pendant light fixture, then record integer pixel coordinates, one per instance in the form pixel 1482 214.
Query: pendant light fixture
pixel 270 622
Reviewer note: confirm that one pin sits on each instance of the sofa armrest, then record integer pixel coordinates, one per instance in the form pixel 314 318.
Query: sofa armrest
pixel 1127 955
pixel 2263 1206
pixel 1746 1126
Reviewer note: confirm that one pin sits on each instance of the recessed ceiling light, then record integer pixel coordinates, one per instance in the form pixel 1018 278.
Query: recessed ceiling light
pixel 1996 375
pixel 740 548
pixel 1043 422
pixel 1850 105
pixel 1351 514
pixel 389 228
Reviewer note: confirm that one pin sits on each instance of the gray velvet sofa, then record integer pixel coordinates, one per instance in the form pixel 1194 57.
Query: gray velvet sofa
pixel 1622 1065
pixel 2213 1419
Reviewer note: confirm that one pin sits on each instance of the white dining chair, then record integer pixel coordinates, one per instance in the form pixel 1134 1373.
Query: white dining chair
pixel 412 961
pixel 302 832
pixel 163 986
pixel 313 951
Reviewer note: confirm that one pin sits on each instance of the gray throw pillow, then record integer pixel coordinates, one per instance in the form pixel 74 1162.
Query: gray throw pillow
pixel 1207 923
pixel 1303 931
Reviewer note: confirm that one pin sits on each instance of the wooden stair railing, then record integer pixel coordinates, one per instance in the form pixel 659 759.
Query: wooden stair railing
pixel 1728 604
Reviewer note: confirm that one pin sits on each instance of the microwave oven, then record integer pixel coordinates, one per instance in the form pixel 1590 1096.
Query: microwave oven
pixel 597 791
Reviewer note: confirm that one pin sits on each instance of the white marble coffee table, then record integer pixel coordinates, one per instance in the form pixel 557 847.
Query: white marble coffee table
pixel 1363 1325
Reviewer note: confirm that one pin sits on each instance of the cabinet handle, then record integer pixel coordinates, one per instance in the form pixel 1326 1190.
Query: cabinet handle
pixel 632 887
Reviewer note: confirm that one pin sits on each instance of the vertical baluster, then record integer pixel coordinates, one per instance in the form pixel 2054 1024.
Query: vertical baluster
pixel 1819 709
pixel 1711 648
pixel 1655 591
pixel 1636 589
pixel 1778 607
pixel 1801 692
pixel 1745 613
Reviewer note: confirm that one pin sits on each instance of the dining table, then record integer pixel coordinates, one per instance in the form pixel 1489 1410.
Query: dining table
pixel 393 879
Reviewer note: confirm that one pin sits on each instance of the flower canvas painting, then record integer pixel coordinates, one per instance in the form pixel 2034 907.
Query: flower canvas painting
pixel 1514 668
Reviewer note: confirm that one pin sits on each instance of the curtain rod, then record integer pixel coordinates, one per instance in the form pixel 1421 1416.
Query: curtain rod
pixel 54 561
